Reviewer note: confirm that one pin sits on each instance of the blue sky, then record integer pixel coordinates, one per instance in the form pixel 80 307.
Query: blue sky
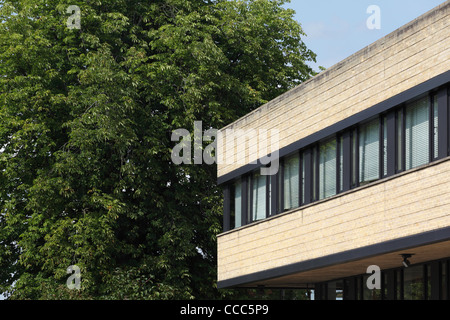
pixel 337 29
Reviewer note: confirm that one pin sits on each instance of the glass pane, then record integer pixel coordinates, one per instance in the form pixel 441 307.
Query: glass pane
pixel 327 169
pixel 398 284
pixel 291 180
pixel 417 133
pixel 259 197
pixel 369 152
pixel 335 290
pixel 237 204
pixel 413 283
pixel 359 289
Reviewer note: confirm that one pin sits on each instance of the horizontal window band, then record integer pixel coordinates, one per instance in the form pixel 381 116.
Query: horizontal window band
pixel 389 246
pixel 339 195
pixel 379 108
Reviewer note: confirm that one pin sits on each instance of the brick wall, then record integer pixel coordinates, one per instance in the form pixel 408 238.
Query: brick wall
pixel 403 59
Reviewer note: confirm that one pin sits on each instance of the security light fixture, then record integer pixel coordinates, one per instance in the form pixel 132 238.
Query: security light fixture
pixel 406 262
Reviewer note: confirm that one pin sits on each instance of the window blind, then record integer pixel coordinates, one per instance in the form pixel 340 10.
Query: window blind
pixel 259 197
pixel 369 151
pixel 436 127
pixel 327 169
pixel 417 133
pixel 291 180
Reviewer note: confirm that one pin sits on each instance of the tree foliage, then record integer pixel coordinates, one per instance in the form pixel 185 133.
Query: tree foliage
pixel 86 117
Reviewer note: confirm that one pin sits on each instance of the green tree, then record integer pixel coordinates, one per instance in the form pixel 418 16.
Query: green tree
pixel 86 117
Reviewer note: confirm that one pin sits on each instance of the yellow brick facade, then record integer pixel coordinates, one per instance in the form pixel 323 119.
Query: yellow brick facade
pixel 407 57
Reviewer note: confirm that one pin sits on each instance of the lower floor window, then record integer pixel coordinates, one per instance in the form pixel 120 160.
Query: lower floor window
pixel 427 281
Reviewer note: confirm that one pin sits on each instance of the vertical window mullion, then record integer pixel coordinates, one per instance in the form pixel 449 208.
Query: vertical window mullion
pixel 443 123
pixel 400 140
pixel 226 208
pixel 237 199
pixel 268 195
pixel 355 158
pixel 381 147
pixel 338 163
pixel 281 188
pixel 391 143
pixel 425 293
pixel 251 192
pixel 401 131
pixel 275 189
pixel 347 155
pixel 245 202
pixel 316 182
pixel 448 278
pixel 403 139
pixel 300 179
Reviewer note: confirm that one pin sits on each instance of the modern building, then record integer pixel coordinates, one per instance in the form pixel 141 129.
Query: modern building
pixel 363 176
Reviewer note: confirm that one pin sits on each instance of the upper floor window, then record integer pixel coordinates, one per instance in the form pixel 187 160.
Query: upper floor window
pixel 259 195
pixel 369 152
pixel 291 180
pixel 417 137
pixel 327 168
pixel 435 127
pixel 236 203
